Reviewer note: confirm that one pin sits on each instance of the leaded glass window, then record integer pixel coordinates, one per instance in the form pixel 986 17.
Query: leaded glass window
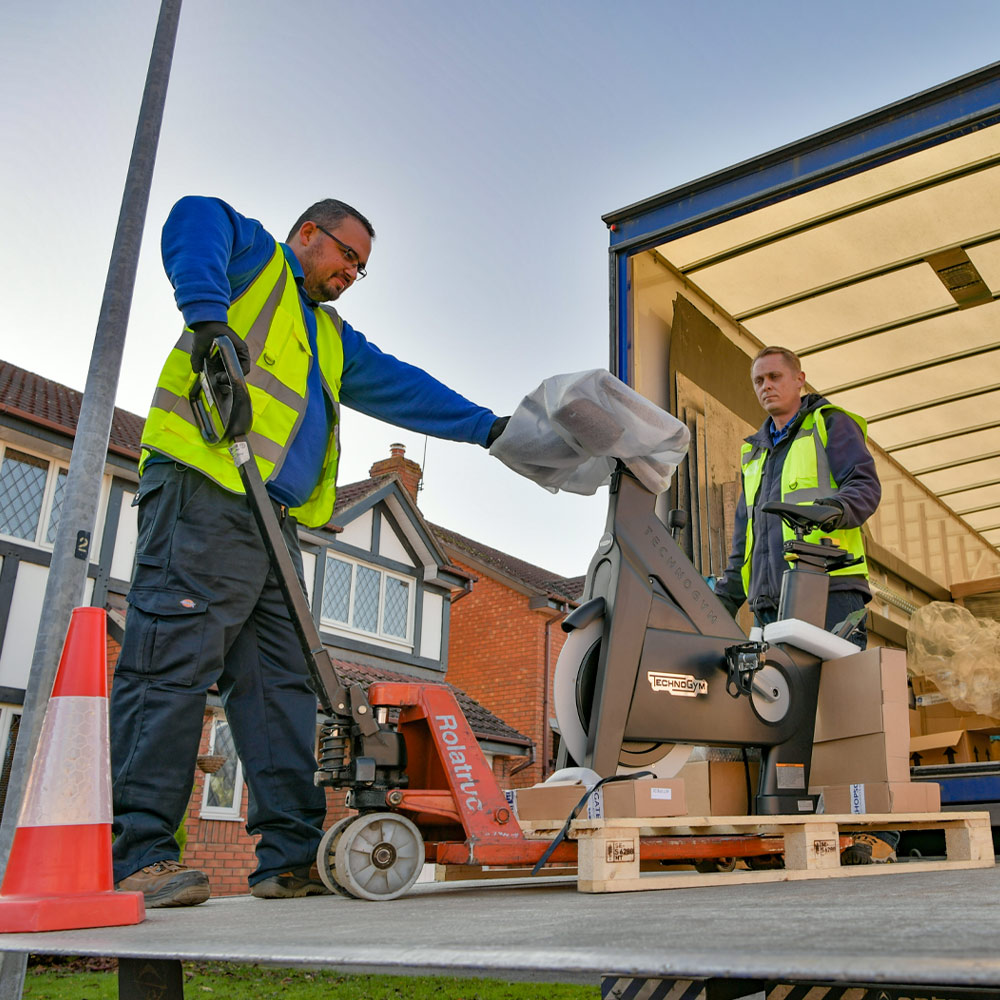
pixel 366 599
pixel 10 722
pixel 397 606
pixel 337 590
pixel 58 496
pixel 22 491
pixel 32 493
pixel 366 588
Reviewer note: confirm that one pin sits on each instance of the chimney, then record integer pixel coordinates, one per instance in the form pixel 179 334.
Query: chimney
pixel 408 472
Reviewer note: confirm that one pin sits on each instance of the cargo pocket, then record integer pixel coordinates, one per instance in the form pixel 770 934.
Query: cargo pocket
pixel 146 500
pixel 165 634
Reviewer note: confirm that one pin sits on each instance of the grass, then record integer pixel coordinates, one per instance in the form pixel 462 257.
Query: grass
pixel 83 979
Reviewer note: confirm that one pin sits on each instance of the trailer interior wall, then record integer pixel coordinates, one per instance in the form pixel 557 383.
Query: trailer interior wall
pixel 692 358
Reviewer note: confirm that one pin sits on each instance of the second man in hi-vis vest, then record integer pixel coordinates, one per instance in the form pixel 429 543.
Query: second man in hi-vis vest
pixel 807 450
pixel 205 606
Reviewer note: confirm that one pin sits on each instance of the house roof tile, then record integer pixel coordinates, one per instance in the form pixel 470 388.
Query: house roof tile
pixel 41 401
pixel 351 493
pixel 534 577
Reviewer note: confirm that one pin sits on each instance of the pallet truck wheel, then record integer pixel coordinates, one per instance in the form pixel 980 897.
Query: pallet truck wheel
pixel 378 856
pixel 326 857
pixel 709 865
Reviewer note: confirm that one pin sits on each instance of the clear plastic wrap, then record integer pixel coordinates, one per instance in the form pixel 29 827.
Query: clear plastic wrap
pixel 958 653
pixel 567 434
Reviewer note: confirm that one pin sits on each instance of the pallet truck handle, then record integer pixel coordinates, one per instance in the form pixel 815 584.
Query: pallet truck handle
pixel 219 396
pixel 223 412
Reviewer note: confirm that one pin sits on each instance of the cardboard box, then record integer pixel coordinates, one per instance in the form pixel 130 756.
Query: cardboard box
pixel 554 802
pixel 619 799
pixel 896 729
pixel 855 692
pixel 858 760
pixel 985 723
pixel 926 694
pixel 916 723
pixel 863 720
pixel 717 787
pixel 933 795
pixel 881 797
pixel 696 787
pixel 958 746
pixel 644 797
pixel 974 723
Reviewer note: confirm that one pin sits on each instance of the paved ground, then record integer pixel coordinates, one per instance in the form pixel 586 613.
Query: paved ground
pixel 932 928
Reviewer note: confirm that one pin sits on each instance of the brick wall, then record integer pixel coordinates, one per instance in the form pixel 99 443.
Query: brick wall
pixel 496 653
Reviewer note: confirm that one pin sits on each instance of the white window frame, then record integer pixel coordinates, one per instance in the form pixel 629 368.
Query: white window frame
pixel 229 813
pixel 48 494
pixel 406 640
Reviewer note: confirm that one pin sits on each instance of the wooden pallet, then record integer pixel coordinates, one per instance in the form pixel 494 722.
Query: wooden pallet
pixel 609 849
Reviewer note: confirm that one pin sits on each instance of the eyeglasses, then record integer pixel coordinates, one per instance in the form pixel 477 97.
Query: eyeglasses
pixel 349 252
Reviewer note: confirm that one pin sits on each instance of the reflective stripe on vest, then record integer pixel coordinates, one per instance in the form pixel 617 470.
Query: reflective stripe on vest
pixel 805 478
pixel 269 317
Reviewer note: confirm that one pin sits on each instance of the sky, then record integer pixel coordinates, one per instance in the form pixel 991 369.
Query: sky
pixel 483 140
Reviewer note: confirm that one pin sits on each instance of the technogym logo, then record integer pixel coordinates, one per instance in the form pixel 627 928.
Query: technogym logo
pixel 680 685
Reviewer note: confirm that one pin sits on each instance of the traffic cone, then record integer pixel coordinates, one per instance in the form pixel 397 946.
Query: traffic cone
pixel 59 873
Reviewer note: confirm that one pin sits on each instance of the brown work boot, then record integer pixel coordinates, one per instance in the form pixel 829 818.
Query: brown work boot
pixel 290 885
pixel 868 849
pixel 168 883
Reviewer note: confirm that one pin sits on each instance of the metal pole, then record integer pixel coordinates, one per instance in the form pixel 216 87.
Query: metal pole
pixel 67 577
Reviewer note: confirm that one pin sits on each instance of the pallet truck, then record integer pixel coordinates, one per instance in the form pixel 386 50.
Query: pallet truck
pixel 407 757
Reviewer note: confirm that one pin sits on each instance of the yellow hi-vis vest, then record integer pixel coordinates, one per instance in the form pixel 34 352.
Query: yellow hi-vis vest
pixel 268 316
pixel 805 478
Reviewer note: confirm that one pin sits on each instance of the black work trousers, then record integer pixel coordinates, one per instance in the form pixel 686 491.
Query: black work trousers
pixel 205 608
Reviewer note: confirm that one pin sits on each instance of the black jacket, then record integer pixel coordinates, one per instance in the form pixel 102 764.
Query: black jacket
pixel 859 491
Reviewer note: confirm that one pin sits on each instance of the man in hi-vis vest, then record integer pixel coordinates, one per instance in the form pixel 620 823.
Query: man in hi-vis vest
pixel 204 606
pixel 806 451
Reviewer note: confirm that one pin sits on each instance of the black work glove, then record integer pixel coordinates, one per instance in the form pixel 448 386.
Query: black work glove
pixel 834 521
pixel 205 333
pixel 496 430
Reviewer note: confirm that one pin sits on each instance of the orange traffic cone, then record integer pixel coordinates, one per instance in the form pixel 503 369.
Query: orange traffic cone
pixel 59 872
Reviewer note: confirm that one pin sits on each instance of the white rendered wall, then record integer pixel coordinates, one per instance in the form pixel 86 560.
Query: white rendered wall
pixel 430 626
pixel 358 532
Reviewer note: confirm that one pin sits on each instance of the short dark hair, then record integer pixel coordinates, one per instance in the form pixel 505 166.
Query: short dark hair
pixel 790 356
pixel 330 213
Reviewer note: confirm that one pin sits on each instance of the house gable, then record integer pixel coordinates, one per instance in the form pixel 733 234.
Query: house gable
pixel 381 579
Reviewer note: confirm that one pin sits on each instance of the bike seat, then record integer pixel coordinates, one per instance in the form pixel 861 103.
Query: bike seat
pixel 804 517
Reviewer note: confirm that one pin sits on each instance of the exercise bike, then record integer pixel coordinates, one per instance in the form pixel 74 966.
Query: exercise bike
pixel 653 658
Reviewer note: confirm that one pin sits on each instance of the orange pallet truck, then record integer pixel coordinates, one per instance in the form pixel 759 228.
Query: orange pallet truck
pixel 406 754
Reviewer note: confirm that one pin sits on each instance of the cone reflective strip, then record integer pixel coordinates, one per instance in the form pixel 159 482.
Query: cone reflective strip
pixel 59 873
pixel 72 750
